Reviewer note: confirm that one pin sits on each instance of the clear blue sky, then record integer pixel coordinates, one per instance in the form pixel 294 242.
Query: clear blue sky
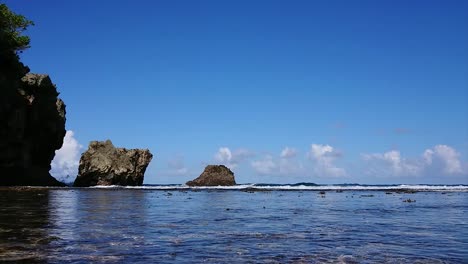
pixel 372 84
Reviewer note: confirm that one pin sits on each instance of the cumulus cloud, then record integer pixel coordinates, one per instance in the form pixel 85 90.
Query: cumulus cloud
pixel 284 165
pixel 324 157
pixel 223 155
pixel 447 156
pixel 392 163
pixel 232 158
pixel 67 158
pixel 441 159
pixel 176 167
pixel 288 152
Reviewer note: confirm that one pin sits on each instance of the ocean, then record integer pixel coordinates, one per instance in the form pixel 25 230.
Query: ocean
pixel 253 223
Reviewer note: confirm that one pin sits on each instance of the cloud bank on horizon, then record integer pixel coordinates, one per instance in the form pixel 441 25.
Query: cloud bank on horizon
pixel 441 159
pixel 324 162
pixel 319 162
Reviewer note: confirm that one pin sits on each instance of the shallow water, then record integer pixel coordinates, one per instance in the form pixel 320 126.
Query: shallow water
pixel 232 226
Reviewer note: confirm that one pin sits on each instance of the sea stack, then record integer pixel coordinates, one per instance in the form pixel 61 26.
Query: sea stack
pixel 104 164
pixel 214 175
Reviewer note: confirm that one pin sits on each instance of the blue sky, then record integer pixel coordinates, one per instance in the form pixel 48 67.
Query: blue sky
pixel 281 91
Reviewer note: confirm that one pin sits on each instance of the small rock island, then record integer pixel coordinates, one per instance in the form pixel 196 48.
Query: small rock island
pixel 104 164
pixel 214 175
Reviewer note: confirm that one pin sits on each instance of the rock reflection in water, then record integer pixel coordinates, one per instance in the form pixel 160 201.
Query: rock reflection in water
pixel 24 218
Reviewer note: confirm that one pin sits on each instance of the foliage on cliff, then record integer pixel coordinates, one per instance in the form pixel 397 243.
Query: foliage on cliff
pixel 12 27
pixel 12 42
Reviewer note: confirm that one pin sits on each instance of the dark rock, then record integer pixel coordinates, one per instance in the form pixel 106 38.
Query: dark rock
pixel 214 175
pixel 405 191
pixel 103 164
pixel 32 127
pixel 409 201
pixel 253 189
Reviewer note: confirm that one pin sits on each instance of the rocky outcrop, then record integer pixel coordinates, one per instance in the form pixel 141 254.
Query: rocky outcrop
pixel 104 164
pixel 214 175
pixel 32 127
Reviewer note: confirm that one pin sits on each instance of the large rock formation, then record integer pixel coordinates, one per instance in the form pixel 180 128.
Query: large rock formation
pixel 214 175
pixel 103 164
pixel 32 117
pixel 32 127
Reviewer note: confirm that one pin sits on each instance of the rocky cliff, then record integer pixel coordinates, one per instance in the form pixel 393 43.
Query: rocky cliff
pixel 104 164
pixel 32 127
pixel 32 117
pixel 214 175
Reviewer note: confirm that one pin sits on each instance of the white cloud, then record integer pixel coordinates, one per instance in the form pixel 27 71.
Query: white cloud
pixel 67 158
pixel 288 152
pixel 324 157
pixel 223 155
pixel 232 159
pixel 446 155
pixel 441 159
pixel 284 165
pixel 427 156
pixel 392 163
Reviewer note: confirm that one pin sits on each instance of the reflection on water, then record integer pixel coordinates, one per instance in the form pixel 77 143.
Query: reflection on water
pixel 94 224
pixel 141 226
pixel 24 224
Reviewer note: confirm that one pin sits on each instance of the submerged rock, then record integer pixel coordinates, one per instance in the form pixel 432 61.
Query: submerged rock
pixel 104 164
pixel 214 175
pixel 32 119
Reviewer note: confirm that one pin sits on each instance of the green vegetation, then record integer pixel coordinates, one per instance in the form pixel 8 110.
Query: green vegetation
pixel 12 27
pixel 12 42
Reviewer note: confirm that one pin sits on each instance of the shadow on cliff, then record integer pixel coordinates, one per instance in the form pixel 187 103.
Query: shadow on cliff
pixel 32 117
pixel 33 127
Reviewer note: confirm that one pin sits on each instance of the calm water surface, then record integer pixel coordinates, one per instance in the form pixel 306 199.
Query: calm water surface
pixel 232 226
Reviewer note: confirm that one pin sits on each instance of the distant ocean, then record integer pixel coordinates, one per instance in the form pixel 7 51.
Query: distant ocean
pixel 250 223
pixel 303 186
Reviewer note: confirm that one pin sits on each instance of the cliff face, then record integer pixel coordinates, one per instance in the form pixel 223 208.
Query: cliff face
pixel 32 127
pixel 214 175
pixel 104 164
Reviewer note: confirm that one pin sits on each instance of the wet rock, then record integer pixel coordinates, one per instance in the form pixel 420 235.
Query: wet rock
pixel 253 190
pixel 104 164
pixel 32 128
pixel 405 191
pixel 214 175
pixel 409 201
